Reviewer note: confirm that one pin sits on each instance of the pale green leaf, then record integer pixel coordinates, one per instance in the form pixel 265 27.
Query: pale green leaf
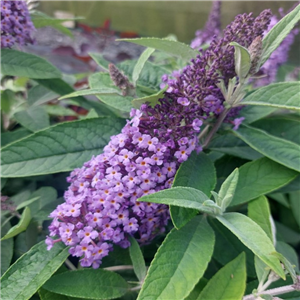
pixel 33 118
pixel 259 212
pixel 179 262
pixel 190 174
pixel 277 34
pixel 59 148
pixel 252 235
pixel 242 60
pixel 39 95
pixel 294 198
pixel 122 103
pixel 277 149
pixel 152 100
pixel 98 58
pixel 31 271
pixel 179 196
pixel 172 47
pixel 228 283
pixel 140 64
pixel 280 95
pixel 88 284
pixel 91 92
pixel 21 226
pixel 262 270
pixel 17 63
pixel 137 259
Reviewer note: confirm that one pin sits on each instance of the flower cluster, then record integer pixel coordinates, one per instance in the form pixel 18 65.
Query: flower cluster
pixel 16 25
pixel 101 207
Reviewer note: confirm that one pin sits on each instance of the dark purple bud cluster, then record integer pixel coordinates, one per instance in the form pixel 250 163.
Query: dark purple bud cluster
pixel 16 25
pixel 198 81
pixel 101 207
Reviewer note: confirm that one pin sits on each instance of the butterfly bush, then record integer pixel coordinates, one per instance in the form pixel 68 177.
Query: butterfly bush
pixel 16 25
pixel 102 207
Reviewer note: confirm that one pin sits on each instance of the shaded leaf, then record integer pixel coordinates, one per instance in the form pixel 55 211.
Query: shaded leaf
pixel 242 60
pixel 7 246
pixel 191 174
pixel 88 284
pixel 228 283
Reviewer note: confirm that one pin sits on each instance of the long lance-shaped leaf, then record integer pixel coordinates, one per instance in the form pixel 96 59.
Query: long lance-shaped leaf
pixel 191 174
pixel 59 148
pixel 228 283
pixel 179 262
pixel 88 284
pixel 17 63
pixel 172 47
pixel 276 35
pixel 179 196
pixel 281 95
pixel 31 271
pixel 140 64
pixel 253 236
pixel 91 92
pixel 277 149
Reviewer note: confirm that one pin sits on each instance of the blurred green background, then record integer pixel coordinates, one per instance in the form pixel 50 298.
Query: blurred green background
pixel 160 18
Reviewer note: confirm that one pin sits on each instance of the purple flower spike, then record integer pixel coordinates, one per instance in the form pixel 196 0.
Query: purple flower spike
pixel 16 25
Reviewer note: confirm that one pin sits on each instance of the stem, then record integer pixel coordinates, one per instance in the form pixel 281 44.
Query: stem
pixel 136 288
pixel 273 292
pixel 215 127
pixel 70 265
pixel 203 132
pixel 119 268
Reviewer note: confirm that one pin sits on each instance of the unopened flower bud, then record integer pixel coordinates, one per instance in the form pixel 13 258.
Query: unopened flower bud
pixel 255 50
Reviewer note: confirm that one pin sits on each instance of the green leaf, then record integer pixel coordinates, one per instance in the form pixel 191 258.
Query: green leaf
pixel 34 118
pixel 179 196
pixel 260 177
pixel 231 145
pixel 47 195
pixel 137 259
pixel 190 174
pixel 185 251
pixel 91 92
pixel 47 295
pixel 277 149
pixel 151 100
pixel 119 102
pixel 7 246
pixel 12 136
pixel 289 252
pixel 17 63
pixel 172 47
pixel 259 212
pixel 280 95
pixel 282 127
pixel 276 35
pixel 227 189
pixel 288 266
pixel 251 234
pixel 88 284
pixel 225 239
pixel 140 64
pixel 286 234
pixel 253 113
pixel 294 198
pixel 98 58
pixel 262 270
pixel 242 60
pixel 21 226
pixel 27 202
pixel 40 19
pixel 228 283
pixel 59 148
pixel 197 289
pixel 31 271
pixel 39 95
